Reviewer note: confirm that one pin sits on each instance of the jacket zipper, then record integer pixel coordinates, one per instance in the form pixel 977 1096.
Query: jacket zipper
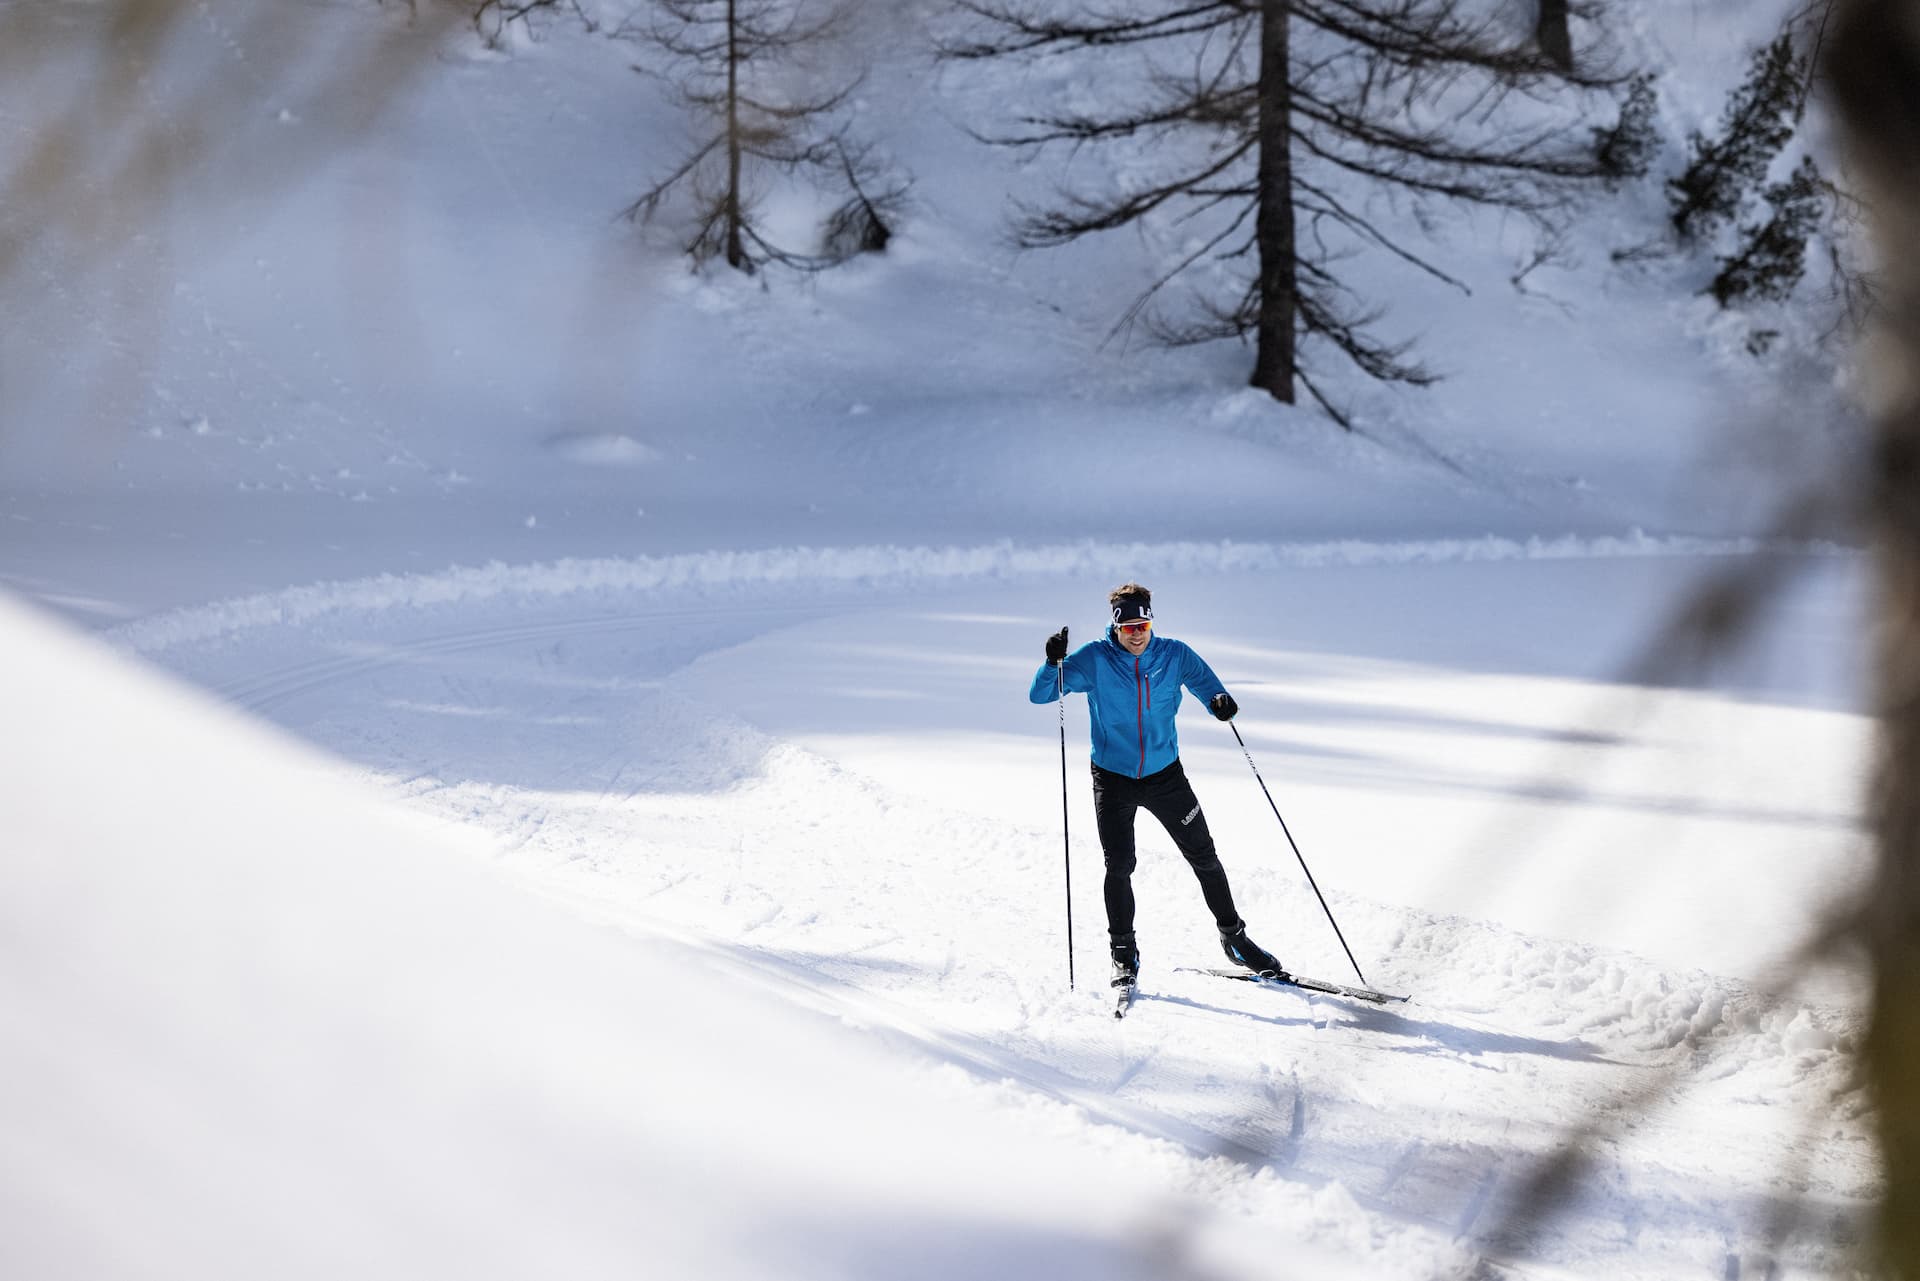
pixel 1140 700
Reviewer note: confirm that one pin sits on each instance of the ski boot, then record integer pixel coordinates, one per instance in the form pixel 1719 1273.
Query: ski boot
pixel 1126 961
pixel 1242 950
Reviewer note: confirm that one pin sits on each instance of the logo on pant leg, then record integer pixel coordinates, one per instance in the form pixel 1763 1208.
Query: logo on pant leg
pixel 1191 815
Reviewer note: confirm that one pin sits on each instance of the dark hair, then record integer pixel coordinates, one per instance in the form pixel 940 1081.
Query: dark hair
pixel 1129 591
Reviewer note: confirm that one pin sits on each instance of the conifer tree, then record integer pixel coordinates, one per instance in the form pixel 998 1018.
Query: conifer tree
pixel 1625 149
pixel 1760 117
pixel 1772 254
pixel 1266 134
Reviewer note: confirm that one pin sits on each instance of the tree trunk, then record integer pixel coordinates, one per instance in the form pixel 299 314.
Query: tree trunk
pixel 736 252
pixel 1550 33
pixel 1873 66
pixel 1273 359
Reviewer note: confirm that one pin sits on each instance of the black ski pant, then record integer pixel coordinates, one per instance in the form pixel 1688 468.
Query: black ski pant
pixel 1168 797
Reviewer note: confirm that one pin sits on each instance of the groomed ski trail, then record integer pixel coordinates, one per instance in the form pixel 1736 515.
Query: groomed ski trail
pixel 879 567
pixel 669 815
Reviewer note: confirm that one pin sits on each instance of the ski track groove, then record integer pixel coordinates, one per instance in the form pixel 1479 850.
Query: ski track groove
pixel 1279 1147
pixel 881 567
pixel 1139 1061
pixel 1398 1171
pixel 269 689
pixel 807 987
pixel 1479 1199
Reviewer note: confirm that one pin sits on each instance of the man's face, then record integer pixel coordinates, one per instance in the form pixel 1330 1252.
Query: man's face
pixel 1134 636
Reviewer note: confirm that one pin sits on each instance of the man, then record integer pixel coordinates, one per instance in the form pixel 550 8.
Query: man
pixel 1132 680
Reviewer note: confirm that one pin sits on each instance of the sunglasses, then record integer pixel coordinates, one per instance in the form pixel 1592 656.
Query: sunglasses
pixel 1132 629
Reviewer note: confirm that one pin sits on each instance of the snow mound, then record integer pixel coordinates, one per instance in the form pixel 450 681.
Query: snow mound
pixel 597 449
pixel 873 566
pixel 246 989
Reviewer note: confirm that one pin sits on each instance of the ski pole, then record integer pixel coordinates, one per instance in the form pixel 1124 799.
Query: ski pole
pixel 1066 847
pixel 1296 852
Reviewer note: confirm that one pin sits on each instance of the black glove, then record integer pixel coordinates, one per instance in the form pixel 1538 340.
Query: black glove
pixel 1057 647
pixel 1223 706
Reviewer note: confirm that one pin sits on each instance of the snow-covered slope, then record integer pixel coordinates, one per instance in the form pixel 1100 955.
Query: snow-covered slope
pixel 416 333
pixel 261 1023
pixel 822 767
pixel 626 845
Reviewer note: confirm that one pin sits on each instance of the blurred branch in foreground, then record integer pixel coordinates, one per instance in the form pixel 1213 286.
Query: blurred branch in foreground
pixel 1874 68
pixel 117 109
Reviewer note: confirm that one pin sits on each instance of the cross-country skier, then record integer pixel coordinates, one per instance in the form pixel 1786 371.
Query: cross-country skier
pixel 1132 681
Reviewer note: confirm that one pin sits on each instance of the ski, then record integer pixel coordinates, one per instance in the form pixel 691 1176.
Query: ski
pixel 1122 1000
pixel 1307 984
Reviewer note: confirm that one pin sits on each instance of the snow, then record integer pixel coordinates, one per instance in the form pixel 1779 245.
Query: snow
pixel 327 1039
pixel 871 566
pixel 517 760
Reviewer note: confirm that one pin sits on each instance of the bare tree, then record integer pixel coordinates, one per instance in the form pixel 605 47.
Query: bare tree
pixel 740 69
pixel 491 17
pixel 1266 129
pixel 863 222
pixel 1551 34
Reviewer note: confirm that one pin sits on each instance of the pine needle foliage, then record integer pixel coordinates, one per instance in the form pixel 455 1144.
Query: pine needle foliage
pixel 1267 139
pixel 1772 255
pixel 1625 150
pixel 1724 171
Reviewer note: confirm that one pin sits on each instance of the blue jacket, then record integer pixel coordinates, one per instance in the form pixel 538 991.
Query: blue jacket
pixel 1131 701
